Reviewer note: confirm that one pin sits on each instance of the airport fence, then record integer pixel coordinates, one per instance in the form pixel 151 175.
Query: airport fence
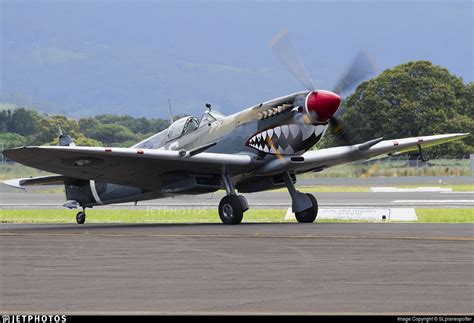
pixel 403 165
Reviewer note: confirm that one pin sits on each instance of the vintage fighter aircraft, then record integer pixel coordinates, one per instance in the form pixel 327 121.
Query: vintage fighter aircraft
pixel 260 148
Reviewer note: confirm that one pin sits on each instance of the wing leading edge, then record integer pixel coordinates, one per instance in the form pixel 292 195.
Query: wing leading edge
pixel 127 166
pixel 329 157
pixel 145 167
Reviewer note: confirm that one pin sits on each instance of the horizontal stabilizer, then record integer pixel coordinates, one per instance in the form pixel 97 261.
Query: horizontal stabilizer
pixel 34 181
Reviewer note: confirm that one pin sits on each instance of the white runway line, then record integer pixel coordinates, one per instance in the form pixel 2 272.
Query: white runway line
pixel 460 192
pixel 436 201
pixel 384 189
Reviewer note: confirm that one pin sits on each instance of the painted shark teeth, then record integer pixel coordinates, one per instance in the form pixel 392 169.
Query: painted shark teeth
pixel 320 129
pixel 284 139
pixel 277 131
pixel 308 131
pixel 285 130
pixel 294 129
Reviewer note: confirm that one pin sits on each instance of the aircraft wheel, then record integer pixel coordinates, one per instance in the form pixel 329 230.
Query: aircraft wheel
pixel 81 217
pixel 308 215
pixel 231 209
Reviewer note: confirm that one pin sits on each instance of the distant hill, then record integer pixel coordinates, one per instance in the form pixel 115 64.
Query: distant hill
pixel 83 58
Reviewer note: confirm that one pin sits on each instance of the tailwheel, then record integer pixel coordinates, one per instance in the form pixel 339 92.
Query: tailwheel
pixel 81 217
pixel 232 208
pixel 308 215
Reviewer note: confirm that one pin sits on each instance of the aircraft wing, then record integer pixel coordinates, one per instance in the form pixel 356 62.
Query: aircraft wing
pixel 127 166
pixel 320 159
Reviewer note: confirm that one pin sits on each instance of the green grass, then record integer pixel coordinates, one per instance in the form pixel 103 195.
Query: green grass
pixel 134 216
pixel 198 216
pixel 445 215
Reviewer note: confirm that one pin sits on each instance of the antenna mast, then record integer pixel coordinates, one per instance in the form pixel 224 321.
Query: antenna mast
pixel 171 113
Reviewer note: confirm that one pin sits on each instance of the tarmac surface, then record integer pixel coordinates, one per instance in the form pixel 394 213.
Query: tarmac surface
pixel 29 200
pixel 319 268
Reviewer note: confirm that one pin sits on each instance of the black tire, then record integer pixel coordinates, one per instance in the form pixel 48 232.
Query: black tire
pixel 243 202
pixel 231 210
pixel 81 217
pixel 309 215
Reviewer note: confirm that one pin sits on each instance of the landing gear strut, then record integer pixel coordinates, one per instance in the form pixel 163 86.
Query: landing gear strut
pixel 232 206
pixel 81 217
pixel 305 206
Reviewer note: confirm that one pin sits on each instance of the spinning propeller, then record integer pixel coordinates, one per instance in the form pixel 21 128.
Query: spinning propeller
pixel 321 105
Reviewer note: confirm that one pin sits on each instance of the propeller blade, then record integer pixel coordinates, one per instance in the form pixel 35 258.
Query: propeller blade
pixel 283 48
pixel 361 68
pixel 339 131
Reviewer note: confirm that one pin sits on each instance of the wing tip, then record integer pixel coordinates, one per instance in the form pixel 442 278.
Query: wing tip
pixel 11 152
pixel 459 135
pixel 15 183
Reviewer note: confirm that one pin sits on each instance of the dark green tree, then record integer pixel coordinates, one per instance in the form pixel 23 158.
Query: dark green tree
pixel 136 125
pixel 10 140
pixel 409 100
pixel 109 134
pixel 48 129
pixel 87 125
pixel 21 121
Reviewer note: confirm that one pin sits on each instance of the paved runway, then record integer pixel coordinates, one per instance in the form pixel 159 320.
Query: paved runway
pixel 22 200
pixel 249 268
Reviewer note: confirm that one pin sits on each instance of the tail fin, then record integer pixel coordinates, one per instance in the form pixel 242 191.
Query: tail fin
pixel 64 140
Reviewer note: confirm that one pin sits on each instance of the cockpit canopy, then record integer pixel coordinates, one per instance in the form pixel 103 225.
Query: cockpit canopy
pixel 188 124
pixel 182 126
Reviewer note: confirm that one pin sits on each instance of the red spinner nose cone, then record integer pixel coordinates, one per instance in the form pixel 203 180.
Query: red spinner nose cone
pixel 321 105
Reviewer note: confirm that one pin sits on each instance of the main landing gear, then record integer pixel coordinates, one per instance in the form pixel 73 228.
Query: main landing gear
pixel 232 206
pixel 305 206
pixel 81 217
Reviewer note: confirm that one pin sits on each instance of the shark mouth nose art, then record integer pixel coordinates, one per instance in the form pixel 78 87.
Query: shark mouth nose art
pixel 286 139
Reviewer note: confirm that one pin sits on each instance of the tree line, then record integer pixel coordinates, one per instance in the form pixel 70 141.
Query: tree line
pixel 22 126
pixel 409 100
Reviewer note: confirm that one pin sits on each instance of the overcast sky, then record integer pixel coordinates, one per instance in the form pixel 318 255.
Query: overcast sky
pixel 235 35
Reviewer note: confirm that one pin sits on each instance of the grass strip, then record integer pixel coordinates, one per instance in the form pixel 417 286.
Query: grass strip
pixel 180 215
